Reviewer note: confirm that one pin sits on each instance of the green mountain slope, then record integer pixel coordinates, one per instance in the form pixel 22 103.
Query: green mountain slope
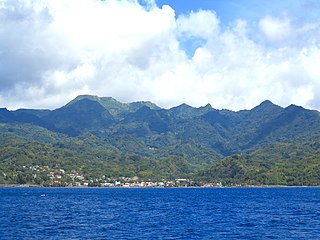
pixel 279 164
pixel 101 136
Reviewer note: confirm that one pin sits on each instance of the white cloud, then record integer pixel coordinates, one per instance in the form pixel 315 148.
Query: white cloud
pixel 52 51
pixel 202 24
pixel 275 29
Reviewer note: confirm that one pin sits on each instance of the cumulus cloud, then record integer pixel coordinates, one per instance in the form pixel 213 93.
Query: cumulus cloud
pixel 52 51
pixel 201 24
pixel 275 29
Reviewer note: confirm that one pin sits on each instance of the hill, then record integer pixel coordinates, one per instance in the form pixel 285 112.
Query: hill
pixel 103 137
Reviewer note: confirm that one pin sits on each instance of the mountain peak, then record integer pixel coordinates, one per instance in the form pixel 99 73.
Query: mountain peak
pixel 267 104
pixel 136 105
pixel 182 110
pixel 294 109
pixel 292 106
pixel 81 97
pixel 182 106
pixel 117 109
pixel 206 107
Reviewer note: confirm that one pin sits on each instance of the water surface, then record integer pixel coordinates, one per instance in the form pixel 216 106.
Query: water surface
pixel 169 213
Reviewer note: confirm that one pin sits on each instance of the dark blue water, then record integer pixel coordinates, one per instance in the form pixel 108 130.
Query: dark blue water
pixel 100 213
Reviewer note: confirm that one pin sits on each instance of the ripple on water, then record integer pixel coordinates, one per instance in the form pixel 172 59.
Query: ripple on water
pixel 255 213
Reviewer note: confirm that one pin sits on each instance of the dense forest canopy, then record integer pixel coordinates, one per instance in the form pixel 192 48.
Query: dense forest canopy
pixel 97 139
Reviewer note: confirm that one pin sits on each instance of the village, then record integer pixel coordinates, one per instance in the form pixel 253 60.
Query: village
pixel 63 178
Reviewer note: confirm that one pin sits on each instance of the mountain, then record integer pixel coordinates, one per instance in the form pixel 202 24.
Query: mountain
pixel 281 163
pixel 115 108
pixel 84 114
pixel 6 115
pixel 140 138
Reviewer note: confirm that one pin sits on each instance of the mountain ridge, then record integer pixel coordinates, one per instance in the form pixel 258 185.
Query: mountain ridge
pixel 232 131
pixel 104 132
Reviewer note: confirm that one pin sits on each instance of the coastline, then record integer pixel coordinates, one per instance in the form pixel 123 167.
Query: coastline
pixel 184 187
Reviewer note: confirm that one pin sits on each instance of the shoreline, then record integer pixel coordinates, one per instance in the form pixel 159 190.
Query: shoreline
pixel 203 187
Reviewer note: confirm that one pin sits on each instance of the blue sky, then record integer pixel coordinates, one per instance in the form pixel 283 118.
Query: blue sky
pixel 251 10
pixel 227 10
pixel 232 54
pixel 299 11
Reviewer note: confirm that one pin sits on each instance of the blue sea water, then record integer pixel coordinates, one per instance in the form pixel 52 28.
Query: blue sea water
pixel 165 213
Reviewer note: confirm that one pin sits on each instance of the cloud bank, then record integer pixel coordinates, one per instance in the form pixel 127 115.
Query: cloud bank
pixel 52 51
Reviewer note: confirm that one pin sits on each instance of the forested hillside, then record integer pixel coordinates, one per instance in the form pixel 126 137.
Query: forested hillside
pixel 103 138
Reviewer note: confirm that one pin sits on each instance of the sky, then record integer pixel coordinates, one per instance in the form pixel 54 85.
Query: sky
pixel 233 54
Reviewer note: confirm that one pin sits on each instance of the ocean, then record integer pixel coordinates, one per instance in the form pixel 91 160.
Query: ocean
pixel 160 213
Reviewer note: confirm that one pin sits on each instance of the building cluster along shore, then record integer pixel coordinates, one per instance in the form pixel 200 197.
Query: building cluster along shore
pixel 51 177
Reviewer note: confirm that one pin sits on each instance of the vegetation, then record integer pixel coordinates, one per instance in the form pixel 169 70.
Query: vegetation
pixel 100 138
pixel 296 167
